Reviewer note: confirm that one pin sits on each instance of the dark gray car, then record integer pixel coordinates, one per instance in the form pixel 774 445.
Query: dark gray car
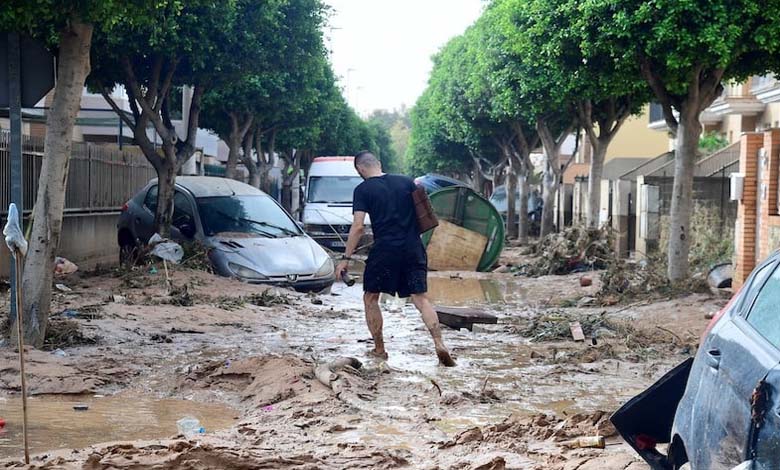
pixel 249 236
pixel 721 410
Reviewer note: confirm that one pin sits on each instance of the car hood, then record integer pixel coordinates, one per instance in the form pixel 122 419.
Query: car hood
pixel 271 256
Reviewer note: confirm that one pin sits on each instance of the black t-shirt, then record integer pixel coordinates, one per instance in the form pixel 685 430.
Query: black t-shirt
pixel 388 201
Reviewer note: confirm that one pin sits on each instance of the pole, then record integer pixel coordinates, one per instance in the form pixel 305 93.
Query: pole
pixel 19 262
pixel 15 114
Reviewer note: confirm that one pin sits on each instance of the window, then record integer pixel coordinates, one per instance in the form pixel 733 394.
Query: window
pixel 334 189
pixel 182 210
pixel 763 314
pixel 256 215
pixel 151 199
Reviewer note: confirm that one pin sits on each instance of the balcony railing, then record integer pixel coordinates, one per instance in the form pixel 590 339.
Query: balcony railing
pixel 763 82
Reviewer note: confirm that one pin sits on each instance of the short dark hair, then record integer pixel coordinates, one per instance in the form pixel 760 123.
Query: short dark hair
pixel 365 157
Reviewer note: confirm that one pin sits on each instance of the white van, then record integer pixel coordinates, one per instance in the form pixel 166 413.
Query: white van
pixel 327 210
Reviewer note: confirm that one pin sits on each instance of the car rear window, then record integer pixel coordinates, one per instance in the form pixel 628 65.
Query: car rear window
pixel 764 315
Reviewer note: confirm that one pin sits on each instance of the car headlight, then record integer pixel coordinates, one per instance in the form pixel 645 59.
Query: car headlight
pixel 245 273
pixel 326 269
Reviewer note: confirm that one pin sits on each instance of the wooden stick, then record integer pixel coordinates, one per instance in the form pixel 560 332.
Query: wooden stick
pixel 167 278
pixel 18 258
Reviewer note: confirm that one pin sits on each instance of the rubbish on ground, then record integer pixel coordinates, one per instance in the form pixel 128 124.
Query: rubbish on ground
pixel 709 315
pixel 503 269
pixel 720 276
pixel 152 270
pixel 118 299
pixel 189 427
pixel 70 313
pixel 165 249
pixel 175 331
pixel 585 301
pixel 589 442
pixel 268 408
pixel 464 317
pixel 64 267
pixel 585 281
pixel 316 301
pixel 575 249
pixel 60 353
pixel 2 423
pixel 576 331
pixel 63 288
pixel 81 407
pixel 327 373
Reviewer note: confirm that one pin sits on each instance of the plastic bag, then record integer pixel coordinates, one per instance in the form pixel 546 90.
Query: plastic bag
pixel 14 237
pixel 167 250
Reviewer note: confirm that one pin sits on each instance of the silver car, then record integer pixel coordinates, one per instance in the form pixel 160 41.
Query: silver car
pixel 249 236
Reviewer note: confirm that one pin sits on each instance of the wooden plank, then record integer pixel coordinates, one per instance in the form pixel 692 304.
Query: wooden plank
pixel 454 248
pixel 464 317
pixel 576 331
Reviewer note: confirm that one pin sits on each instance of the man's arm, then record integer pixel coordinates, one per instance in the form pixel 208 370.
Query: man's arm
pixel 355 234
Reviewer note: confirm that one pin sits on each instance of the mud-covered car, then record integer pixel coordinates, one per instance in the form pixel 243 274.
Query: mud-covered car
pixel 248 235
pixel 721 409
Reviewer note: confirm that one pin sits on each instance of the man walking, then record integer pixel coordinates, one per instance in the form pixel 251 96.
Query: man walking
pixel 397 263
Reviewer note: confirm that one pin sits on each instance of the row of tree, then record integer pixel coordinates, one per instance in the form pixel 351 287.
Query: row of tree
pixel 532 72
pixel 257 73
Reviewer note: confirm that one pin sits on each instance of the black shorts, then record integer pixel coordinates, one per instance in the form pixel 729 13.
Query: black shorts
pixel 402 271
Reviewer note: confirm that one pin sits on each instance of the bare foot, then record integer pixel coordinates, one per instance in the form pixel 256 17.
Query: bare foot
pixel 378 354
pixel 444 358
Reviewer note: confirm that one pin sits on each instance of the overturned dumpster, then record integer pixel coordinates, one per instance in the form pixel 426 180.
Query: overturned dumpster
pixel 470 235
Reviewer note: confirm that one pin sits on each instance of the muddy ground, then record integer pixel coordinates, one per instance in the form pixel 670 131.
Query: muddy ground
pixel 244 357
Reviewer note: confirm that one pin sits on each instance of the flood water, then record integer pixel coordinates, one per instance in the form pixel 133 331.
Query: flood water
pixel 54 424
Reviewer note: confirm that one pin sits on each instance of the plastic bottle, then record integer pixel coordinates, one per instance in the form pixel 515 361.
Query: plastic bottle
pixel 189 427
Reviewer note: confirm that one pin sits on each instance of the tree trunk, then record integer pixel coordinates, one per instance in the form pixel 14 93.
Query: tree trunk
pixel 511 206
pixel 234 145
pixel 594 183
pixel 688 133
pixel 523 188
pixel 549 187
pixel 249 161
pixel 166 186
pixel 72 69
pixel 478 181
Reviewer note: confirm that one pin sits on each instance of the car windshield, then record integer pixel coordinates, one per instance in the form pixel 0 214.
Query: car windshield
pixel 252 215
pixel 334 189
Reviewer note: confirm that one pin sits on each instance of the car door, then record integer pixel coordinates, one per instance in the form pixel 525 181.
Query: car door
pixel 183 224
pixel 764 444
pixel 737 358
pixel 143 220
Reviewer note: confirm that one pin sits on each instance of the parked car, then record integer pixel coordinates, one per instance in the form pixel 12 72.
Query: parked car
pixel 499 200
pixel 327 212
pixel 249 236
pixel 433 182
pixel 721 409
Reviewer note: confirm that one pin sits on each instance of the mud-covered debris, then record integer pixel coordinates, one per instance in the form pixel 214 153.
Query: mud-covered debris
pixel 196 256
pixel 229 303
pixel 626 280
pixel 575 249
pixel 268 298
pixel 180 296
pixel 556 325
pixel 65 333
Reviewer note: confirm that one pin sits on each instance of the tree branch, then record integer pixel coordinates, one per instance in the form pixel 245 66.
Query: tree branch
pixel 661 93
pixel 107 96
pixel 166 86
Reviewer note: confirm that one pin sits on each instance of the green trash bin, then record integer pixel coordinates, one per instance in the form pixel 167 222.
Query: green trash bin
pixel 464 207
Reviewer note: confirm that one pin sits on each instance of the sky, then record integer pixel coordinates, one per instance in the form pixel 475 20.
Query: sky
pixel 381 49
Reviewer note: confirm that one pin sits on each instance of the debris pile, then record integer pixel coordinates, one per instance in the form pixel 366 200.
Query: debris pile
pixel 575 249
pixel 556 326
pixel 623 280
pixel 65 333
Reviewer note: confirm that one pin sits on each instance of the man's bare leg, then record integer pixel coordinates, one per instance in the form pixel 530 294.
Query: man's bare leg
pixel 374 321
pixel 431 320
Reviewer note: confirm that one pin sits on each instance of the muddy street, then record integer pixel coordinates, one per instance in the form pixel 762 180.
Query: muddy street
pixel 241 359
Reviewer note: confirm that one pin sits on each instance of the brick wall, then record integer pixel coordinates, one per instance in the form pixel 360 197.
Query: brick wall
pixel 746 209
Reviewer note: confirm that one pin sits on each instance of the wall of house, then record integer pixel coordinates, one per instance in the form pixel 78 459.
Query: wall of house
pixel 770 117
pixel 635 139
pixel 89 240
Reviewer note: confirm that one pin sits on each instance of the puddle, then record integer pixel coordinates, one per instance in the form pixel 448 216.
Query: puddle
pixel 54 424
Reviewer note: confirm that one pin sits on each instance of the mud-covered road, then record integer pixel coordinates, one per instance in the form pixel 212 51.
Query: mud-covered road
pixel 241 359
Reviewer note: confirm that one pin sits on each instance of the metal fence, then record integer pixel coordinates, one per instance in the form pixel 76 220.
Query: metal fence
pixel 101 178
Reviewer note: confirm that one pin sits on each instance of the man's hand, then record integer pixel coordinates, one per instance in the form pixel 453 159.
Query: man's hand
pixel 342 266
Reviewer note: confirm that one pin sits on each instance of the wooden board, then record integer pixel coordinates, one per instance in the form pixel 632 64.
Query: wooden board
pixel 464 317
pixel 454 248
